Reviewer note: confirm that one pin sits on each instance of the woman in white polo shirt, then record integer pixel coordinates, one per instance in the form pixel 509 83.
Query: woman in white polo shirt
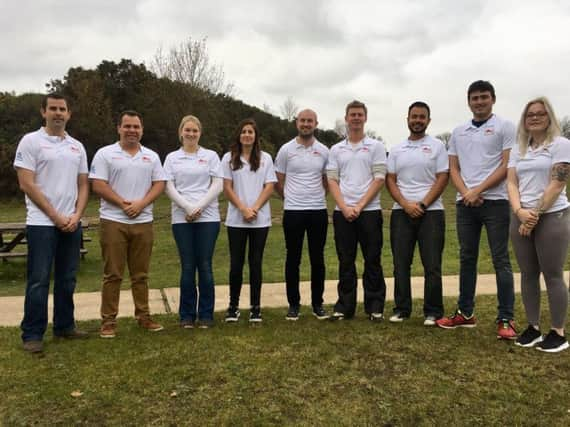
pixel 248 183
pixel 195 181
pixel 540 226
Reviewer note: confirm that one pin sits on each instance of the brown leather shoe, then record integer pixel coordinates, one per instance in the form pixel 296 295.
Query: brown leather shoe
pixel 33 346
pixel 149 324
pixel 107 330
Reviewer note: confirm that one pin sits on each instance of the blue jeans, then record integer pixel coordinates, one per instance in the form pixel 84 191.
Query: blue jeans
pixel 495 216
pixel 47 246
pixel 196 243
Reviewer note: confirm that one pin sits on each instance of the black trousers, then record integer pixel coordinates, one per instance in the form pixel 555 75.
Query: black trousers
pixel 295 224
pixel 366 230
pixel 429 232
pixel 237 239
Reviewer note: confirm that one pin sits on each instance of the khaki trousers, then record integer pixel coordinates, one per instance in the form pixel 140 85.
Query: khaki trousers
pixel 125 244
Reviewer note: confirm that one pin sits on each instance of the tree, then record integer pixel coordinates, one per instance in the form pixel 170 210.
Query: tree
pixel 444 137
pixel 340 127
pixel 189 62
pixel 289 109
pixel 565 126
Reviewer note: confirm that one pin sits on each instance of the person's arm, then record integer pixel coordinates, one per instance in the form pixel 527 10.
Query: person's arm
pixel 413 209
pixel 248 213
pixel 178 198
pixel 280 184
pixel 498 175
pixel 437 188
pixel 334 189
pixel 27 183
pixel 371 193
pixel 104 190
pixel 213 192
pixel 80 204
pixel 135 207
pixel 527 217
pixel 455 174
pixel 263 196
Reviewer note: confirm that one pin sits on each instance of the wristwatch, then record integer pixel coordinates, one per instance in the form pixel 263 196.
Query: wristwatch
pixel 423 206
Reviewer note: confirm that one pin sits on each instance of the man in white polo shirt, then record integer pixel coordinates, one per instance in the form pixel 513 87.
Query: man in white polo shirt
pixel 128 177
pixel 417 175
pixel 52 172
pixel 355 172
pixel 478 157
pixel 300 167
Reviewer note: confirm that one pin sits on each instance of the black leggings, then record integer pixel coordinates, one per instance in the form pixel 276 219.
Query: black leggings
pixel 237 238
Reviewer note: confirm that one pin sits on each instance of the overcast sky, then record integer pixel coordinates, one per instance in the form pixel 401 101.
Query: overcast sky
pixel 321 53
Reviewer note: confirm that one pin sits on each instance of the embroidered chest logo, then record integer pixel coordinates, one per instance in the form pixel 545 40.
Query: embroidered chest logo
pixel 74 149
pixel 202 161
pixel 489 131
pixel 426 149
pixel 146 159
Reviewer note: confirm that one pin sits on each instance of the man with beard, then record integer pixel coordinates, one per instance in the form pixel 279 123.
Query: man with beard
pixel 417 175
pixel 355 172
pixel 300 167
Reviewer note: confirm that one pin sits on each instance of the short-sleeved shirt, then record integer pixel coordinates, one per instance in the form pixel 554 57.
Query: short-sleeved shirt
pixel 191 174
pixel 480 152
pixel 534 172
pixel 248 185
pixel 415 164
pixel 354 164
pixel 303 168
pixel 56 163
pixel 130 176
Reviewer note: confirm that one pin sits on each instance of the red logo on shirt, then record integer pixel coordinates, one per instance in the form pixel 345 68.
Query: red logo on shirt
pixel 202 161
pixel 489 131
pixel 316 153
pixel 426 150
pixel 365 150
pixel 74 149
pixel 146 159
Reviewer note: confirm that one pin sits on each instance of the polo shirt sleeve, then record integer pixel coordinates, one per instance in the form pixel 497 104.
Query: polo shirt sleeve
pixel 83 168
pixel 442 160
pixel 226 168
pixel 332 163
pixel 168 167
pixel 158 173
pixel 99 166
pixel 281 160
pixel 561 153
pixel 509 135
pixel 391 166
pixel 26 154
pixel 514 157
pixel 269 170
pixel 379 157
pixel 452 149
pixel 215 166
pixel 326 153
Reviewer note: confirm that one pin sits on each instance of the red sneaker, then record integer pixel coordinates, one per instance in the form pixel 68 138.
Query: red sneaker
pixel 506 330
pixel 457 320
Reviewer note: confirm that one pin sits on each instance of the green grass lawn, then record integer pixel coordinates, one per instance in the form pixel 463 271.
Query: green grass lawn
pixel 347 373
pixel 165 264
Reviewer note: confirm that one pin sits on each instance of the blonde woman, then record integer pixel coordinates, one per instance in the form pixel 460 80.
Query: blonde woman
pixel 195 181
pixel 540 227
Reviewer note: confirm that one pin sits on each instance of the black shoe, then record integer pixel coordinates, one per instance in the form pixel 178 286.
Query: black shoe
pixel 320 313
pixel 73 334
pixel 376 317
pixel 255 315
pixel 33 346
pixel 232 315
pixel 553 343
pixel 337 315
pixel 293 313
pixel 529 338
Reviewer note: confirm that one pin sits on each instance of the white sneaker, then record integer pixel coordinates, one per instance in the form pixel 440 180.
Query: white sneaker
pixel 397 318
pixel 430 321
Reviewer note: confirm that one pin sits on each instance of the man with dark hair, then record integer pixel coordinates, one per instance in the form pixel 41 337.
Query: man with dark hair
pixel 300 168
pixel 128 177
pixel 355 172
pixel 52 172
pixel 478 157
pixel 417 175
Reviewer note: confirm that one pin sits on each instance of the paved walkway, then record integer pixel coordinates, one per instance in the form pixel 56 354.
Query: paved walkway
pixel 165 300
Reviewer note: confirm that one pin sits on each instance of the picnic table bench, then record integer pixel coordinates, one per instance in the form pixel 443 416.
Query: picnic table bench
pixel 13 234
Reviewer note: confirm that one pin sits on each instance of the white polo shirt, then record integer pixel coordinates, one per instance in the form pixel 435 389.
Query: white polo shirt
pixel 131 177
pixel 248 185
pixel 304 168
pixel 56 163
pixel 534 172
pixel 415 164
pixel 191 174
pixel 353 163
pixel 480 152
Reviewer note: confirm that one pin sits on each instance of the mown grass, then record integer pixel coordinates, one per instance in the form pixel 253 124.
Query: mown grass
pixel 348 373
pixel 165 264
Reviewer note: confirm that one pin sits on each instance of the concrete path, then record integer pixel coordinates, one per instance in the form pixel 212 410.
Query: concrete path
pixel 273 295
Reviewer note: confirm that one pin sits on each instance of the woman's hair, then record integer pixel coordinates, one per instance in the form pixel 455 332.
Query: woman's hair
pixel 236 147
pixel 185 120
pixel 552 131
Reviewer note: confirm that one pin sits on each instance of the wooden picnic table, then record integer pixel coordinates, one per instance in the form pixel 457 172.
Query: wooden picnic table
pixel 13 234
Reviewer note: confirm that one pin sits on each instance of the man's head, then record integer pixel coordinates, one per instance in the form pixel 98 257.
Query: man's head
pixel 418 119
pixel 355 117
pixel 55 112
pixel 130 127
pixel 306 124
pixel 481 98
